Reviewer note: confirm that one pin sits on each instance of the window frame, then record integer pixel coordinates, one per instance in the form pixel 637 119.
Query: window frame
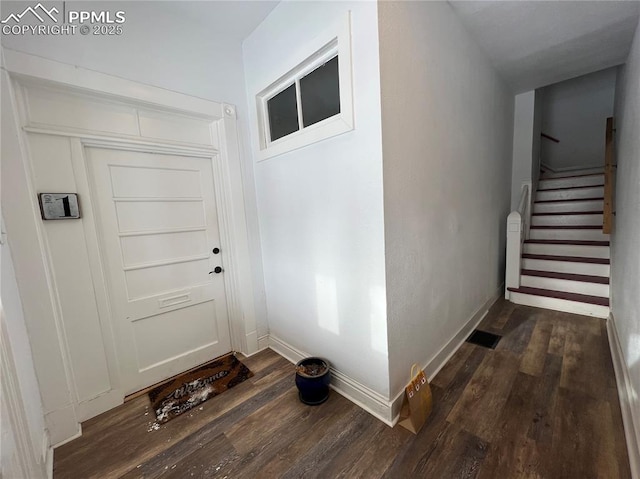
pixel 336 41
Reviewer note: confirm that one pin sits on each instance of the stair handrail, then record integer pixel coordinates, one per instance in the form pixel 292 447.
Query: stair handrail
pixel 549 137
pixel 517 231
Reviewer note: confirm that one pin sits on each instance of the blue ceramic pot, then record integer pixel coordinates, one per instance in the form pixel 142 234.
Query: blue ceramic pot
pixel 312 379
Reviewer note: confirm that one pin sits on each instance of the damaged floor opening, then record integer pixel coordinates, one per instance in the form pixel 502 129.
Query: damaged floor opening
pixel 484 338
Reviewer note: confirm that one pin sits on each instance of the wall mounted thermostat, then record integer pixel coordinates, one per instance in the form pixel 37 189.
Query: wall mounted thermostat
pixel 59 206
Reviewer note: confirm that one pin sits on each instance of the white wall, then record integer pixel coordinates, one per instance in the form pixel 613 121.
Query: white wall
pixel 165 44
pixel 447 144
pixel 527 124
pixel 625 238
pixel 321 207
pixel 24 374
pixel 575 112
pixel 537 140
pixel 9 460
pixel 523 129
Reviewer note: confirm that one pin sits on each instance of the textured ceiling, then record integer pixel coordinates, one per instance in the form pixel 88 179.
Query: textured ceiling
pixel 536 43
pixel 232 18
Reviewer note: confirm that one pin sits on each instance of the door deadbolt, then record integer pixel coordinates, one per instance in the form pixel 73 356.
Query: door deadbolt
pixel 215 250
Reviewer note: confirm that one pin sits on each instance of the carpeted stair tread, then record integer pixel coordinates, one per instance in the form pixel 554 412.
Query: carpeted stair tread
pixel 572 259
pixel 569 199
pixel 567 227
pixel 585 278
pixel 581 187
pixel 569 213
pixel 569 242
pixel 549 293
pixel 570 176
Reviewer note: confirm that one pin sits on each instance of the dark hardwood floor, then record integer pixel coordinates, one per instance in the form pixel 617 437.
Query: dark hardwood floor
pixel 543 404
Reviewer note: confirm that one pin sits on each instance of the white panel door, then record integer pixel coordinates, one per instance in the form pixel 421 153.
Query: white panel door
pixel 157 219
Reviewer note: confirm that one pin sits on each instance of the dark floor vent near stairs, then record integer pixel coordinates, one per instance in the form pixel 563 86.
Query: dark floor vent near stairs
pixel 483 338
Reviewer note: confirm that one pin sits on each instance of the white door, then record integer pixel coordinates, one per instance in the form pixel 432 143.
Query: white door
pixel 157 221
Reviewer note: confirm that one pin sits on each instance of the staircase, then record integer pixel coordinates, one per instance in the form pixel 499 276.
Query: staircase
pixel 565 260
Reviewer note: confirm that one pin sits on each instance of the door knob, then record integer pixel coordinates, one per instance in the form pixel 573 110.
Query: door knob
pixel 216 270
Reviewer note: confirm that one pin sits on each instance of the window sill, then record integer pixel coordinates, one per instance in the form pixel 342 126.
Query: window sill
pixel 336 125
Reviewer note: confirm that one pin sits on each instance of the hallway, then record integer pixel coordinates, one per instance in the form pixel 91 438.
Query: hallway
pixel 543 404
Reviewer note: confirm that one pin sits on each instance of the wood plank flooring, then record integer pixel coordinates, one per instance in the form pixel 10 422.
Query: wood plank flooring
pixel 543 404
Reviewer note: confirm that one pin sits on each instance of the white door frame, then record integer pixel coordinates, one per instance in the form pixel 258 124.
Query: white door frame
pixel 32 258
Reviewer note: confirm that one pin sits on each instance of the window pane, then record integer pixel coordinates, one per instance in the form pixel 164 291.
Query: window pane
pixel 320 93
pixel 283 113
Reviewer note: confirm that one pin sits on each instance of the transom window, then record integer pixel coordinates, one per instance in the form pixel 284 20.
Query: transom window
pixel 311 102
pixel 311 99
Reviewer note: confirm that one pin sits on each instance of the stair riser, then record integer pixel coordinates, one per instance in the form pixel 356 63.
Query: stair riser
pixel 569 206
pixel 566 267
pixel 568 250
pixel 566 220
pixel 592 192
pixel 570 182
pixel 568 286
pixel 553 234
pixel 560 305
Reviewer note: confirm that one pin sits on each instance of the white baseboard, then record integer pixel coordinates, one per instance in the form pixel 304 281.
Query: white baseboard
pixel 46 447
pixel 369 400
pixel 70 438
pixel 99 404
pixel 388 411
pixel 629 402
pixel 48 464
pixel 263 342
pixel 63 425
pixel 285 350
pixel 437 362
pixel 252 343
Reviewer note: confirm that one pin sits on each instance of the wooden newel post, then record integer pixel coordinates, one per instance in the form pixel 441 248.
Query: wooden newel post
pixel 609 176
